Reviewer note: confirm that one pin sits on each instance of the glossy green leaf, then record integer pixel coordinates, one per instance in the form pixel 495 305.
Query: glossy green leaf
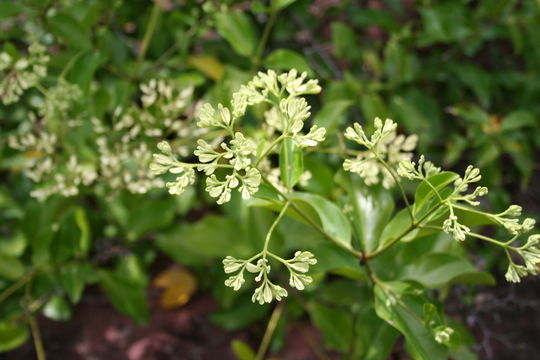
pixel 237 28
pixel 403 309
pixel 12 336
pixel 11 8
pixel 284 59
pixel 291 163
pixel 372 207
pixel 330 216
pixel 439 269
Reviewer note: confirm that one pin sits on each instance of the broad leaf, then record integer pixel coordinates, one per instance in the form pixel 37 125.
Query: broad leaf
pixel 336 326
pixel 291 163
pixel 284 59
pixel 399 305
pixel 237 28
pixel 12 336
pixel 331 115
pixel 330 216
pixel 438 269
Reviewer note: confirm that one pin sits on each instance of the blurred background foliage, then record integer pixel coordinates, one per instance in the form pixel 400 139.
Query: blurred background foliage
pixel 463 75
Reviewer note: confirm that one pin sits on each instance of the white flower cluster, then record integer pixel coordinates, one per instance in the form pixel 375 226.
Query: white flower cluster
pixel 530 253
pixel 21 74
pixel 59 100
pixel 384 145
pixel 237 154
pixel 290 110
pixel 267 291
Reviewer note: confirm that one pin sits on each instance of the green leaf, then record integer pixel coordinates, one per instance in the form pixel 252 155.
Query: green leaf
pixel 281 4
pixel 241 350
pixel 291 163
pixel 331 115
pixel 11 8
pixel 210 238
pixel 84 68
pixel 330 216
pixel 344 42
pixel 331 258
pixel 73 279
pixel 425 192
pixel 372 208
pixel 11 268
pixel 518 120
pixel 57 309
pixel 69 30
pixel 237 28
pixel 82 223
pixel 284 59
pixel 12 336
pixel 240 315
pixel 126 289
pixel 399 305
pixel 336 326
pixel 434 270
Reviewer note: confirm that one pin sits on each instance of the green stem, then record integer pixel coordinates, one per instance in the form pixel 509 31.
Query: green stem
pixel 16 286
pixel 272 227
pixel 314 224
pixel 413 226
pixel 268 149
pixel 398 183
pixel 474 235
pixel 156 10
pixel 264 39
pixel 34 327
pixel 272 324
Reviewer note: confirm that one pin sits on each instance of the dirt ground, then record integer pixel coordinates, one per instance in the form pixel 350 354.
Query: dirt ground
pixel 505 320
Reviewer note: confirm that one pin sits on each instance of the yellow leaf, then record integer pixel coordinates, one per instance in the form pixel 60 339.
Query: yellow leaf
pixel 208 65
pixel 179 285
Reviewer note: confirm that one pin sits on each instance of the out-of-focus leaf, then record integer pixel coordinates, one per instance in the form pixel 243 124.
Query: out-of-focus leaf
pixel 126 288
pixel 73 279
pixel 12 336
pixel 344 41
pixel 284 59
pixel 68 29
pixel 208 65
pixel 237 28
pixel 178 285
pixel 210 238
pixel 57 309
pixel 281 4
pixel 331 115
pixel 241 350
pixel 336 325
pixel 11 268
